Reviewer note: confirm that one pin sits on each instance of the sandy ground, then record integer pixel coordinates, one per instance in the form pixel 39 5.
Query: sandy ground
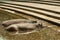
pixel 44 34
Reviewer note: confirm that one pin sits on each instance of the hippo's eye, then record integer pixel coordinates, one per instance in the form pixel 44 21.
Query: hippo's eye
pixel 34 21
pixel 12 29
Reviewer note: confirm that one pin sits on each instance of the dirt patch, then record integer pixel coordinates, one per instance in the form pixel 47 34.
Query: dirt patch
pixel 45 34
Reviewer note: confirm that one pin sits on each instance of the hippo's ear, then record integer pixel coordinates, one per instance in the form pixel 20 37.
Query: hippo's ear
pixel 40 26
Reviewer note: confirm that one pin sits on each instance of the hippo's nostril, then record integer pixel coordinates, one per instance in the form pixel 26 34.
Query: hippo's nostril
pixel 4 25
